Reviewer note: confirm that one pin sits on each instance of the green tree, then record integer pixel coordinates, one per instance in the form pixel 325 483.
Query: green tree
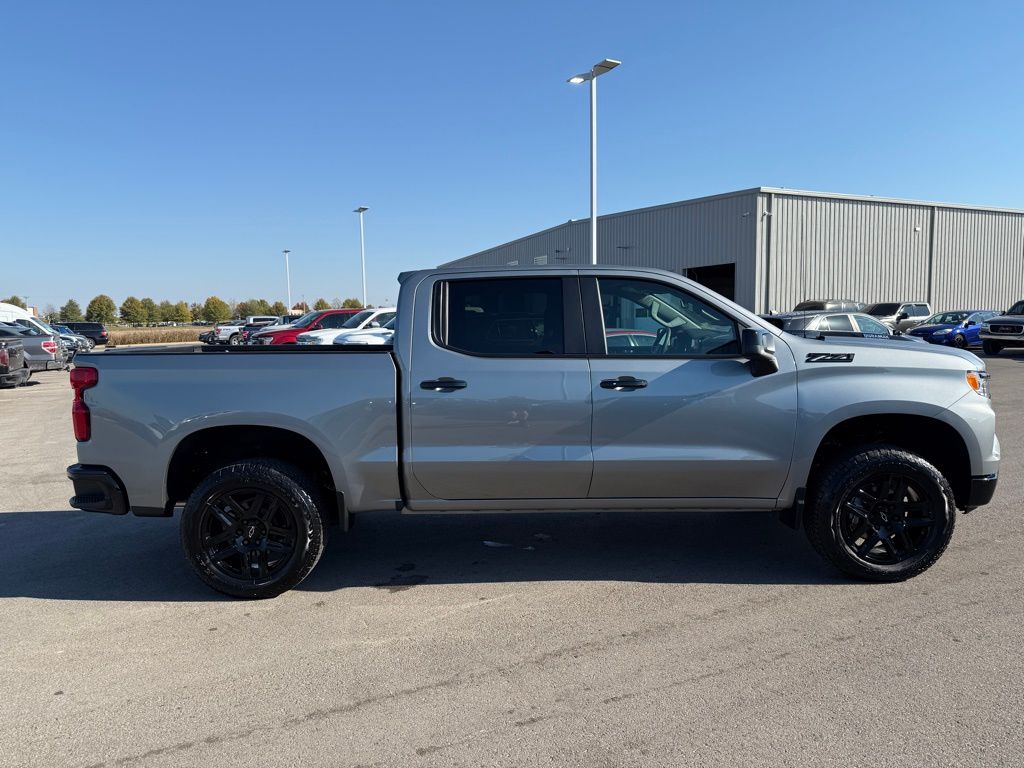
pixel 180 313
pixel 351 304
pixel 216 309
pixel 197 310
pixel 101 309
pixel 278 308
pixel 133 311
pixel 321 304
pixel 71 312
pixel 165 312
pixel 152 314
pixel 16 301
pixel 301 306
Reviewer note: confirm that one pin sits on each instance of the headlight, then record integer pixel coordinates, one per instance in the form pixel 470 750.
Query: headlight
pixel 942 332
pixel 307 340
pixel 978 381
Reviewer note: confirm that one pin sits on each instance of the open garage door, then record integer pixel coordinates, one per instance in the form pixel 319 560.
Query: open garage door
pixel 720 278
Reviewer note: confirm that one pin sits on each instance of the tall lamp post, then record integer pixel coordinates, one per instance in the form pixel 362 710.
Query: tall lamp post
pixel 362 246
pixel 607 65
pixel 288 277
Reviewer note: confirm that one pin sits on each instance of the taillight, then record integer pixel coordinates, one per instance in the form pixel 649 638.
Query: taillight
pixel 103 334
pixel 5 357
pixel 50 346
pixel 81 380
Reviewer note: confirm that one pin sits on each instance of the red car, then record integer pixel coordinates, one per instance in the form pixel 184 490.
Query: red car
pixel 311 321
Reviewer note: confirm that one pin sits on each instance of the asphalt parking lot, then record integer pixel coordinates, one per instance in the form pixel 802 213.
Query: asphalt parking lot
pixel 591 640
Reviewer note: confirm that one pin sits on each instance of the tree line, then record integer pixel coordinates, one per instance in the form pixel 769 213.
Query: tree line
pixel 145 311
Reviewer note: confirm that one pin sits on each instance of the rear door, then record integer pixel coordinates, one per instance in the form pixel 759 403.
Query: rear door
pixel 684 418
pixel 501 403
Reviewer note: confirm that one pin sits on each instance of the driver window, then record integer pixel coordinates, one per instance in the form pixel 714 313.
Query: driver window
pixel 681 324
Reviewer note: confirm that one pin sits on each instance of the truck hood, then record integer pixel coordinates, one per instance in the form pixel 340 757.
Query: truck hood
pixel 881 353
pixel 1009 319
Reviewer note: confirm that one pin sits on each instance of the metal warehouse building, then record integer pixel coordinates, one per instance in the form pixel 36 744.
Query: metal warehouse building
pixel 768 248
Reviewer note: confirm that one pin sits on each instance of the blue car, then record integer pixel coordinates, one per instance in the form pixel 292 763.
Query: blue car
pixel 956 329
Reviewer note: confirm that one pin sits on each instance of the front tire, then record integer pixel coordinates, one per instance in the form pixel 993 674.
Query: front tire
pixel 959 341
pixel 254 529
pixel 881 514
pixel 991 348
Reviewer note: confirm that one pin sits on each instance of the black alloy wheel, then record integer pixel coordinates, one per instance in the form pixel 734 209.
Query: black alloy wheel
pixel 254 529
pixel 880 513
pixel 247 534
pixel 887 518
pixel 959 341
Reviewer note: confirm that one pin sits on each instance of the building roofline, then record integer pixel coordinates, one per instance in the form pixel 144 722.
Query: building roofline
pixel 742 193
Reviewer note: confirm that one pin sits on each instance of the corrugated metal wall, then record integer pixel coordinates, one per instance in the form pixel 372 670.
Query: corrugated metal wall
pixel 978 259
pixel 695 233
pixel 822 248
pixel 811 246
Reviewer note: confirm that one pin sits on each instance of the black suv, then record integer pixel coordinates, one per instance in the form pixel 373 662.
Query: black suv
pixel 94 331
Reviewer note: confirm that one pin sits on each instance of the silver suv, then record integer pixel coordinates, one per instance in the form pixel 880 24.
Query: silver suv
pixel 900 316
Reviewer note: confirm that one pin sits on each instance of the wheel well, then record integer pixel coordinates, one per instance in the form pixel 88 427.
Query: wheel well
pixel 207 450
pixel 934 441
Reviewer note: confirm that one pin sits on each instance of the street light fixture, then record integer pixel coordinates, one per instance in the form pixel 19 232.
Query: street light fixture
pixel 288 277
pixel 606 65
pixel 362 246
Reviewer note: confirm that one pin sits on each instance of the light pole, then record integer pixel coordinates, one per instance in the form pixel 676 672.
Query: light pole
pixel 288 277
pixel 362 246
pixel 607 65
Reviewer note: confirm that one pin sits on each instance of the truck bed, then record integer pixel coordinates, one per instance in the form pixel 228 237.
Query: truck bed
pixel 147 402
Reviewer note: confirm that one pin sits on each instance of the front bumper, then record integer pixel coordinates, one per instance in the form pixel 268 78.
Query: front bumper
pixel 97 489
pixel 1006 339
pixel 983 488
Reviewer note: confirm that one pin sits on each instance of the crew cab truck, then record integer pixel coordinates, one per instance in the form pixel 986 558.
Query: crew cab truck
pixel 500 392
pixel 1003 331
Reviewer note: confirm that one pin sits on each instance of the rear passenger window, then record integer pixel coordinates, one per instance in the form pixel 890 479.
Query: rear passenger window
pixel 835 323
pixel 504 316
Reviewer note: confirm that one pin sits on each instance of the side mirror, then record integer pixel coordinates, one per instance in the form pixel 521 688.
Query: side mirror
pixel 374 324
pixel 315 327
pixel 758 347
pixel 969 323
pixel 902 316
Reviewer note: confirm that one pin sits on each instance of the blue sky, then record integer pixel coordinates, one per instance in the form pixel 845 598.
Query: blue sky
pixel 172 149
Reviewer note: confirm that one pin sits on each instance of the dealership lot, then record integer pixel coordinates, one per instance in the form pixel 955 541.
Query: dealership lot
pixel 591 640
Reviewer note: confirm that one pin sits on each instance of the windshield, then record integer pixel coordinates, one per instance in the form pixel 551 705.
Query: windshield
pixel 882 310
pixel 305 320
pixel 358 319
pixel 946 318
pixel 1017 309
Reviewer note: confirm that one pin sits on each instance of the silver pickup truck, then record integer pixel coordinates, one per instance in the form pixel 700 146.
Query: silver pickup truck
pixel 502 390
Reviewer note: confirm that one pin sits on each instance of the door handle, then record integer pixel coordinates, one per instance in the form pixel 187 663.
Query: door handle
pixel 443 384
pixel 621 383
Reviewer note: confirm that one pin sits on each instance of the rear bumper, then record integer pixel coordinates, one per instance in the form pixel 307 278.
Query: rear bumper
pixel 14 378
pixel 97 489
pixel 983 488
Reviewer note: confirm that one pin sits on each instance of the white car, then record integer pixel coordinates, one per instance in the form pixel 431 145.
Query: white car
pixel 366 320
pixel 375 336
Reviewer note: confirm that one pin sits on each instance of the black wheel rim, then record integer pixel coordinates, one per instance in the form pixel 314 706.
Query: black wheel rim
pixel 888 518
pixel 248 534
pixel 958 341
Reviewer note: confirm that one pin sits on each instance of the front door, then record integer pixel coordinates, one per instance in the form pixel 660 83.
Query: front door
pixel 501 403
pixel 683 418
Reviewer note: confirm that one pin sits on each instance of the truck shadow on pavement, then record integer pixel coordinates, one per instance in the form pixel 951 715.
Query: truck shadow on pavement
pixel 79 556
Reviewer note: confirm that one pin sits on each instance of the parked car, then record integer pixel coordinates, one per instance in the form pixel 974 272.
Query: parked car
pixel 311 321
pixel 84 342
pixel 372 336
pixel 364 319
pixel 14 370
pixel 42 351
pixel 902 317
pixel 206 337
pixel 1003 331
pixel 829 305
pixel 957 329
pixel 230 331
pixel 95 331
pixel 249 329
pixel 500 396
pixel 823 325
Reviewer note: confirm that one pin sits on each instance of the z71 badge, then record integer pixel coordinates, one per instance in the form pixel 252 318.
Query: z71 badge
pixel 829 357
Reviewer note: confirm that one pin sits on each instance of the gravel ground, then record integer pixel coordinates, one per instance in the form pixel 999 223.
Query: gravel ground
pixel 593 640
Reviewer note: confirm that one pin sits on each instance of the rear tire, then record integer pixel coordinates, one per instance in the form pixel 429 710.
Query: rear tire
pixel 254 529
pixel 881 514
pixel 235 340
pixel 991 348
